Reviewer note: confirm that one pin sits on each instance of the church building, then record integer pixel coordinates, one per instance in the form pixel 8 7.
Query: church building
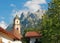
pixel 13 36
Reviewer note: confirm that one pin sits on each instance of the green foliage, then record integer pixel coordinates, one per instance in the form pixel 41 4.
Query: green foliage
pixel 51 22
pixel 32 29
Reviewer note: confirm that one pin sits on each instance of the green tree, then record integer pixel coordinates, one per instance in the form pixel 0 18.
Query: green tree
pixel 51 22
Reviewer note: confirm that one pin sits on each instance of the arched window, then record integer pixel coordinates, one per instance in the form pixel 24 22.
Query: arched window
pixel 17 28
pixel 17 21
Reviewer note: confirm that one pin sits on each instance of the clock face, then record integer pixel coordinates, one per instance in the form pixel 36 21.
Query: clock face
pixel 17 21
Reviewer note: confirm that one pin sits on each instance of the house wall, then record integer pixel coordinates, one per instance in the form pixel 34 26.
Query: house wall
pixel 4 40
pixel 32 40
pixel 0 40
pixel 17 41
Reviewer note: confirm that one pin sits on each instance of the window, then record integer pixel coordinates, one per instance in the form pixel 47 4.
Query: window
pixel 17 21
pixel 17 28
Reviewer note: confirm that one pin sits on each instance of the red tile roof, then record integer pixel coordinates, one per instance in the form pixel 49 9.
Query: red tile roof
pixel 32 34
pixel 9 34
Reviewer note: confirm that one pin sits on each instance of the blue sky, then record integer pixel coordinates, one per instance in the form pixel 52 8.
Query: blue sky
pixel 9 7
pixel 6 8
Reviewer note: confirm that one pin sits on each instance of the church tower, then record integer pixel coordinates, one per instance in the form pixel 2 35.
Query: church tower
pixel 16 26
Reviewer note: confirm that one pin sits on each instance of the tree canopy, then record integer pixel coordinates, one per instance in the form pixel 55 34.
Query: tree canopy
pixel 51 21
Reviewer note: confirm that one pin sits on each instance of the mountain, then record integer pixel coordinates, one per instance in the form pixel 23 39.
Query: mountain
pixel 30 20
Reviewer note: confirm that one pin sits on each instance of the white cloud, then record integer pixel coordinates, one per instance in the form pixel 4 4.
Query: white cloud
pixel 12 5
pixel 3 24
pixel 34 5
pixel 39 1
pixel 31 6
pixel 14 13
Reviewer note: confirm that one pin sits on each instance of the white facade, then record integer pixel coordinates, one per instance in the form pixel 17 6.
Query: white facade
pixel 32 40
pixel 17 42
pixel 4 36
pixel 4 40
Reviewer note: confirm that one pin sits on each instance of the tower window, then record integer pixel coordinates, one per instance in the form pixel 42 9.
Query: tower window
pixel 17 21
pixel 17 28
